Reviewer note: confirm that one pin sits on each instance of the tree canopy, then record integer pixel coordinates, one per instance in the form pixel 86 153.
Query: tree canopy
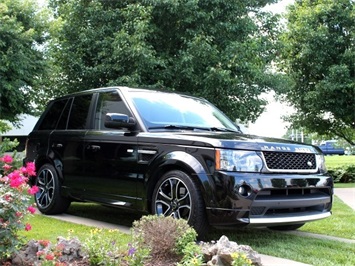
pixel 217 49
pixel 22 32
pixel 318 57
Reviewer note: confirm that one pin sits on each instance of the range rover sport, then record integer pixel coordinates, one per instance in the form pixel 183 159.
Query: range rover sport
pixel 174 155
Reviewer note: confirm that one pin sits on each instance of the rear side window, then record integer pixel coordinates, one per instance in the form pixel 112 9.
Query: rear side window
pixel 51 118
pixel 79 112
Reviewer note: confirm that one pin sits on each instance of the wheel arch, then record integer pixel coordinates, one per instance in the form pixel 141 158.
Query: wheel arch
pixel 185 162
pixel 56 162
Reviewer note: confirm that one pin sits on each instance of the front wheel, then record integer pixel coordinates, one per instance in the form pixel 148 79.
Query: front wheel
pixel 49 199
pixel 176 194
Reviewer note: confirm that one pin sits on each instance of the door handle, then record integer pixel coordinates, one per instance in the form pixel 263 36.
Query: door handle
pixel 93 147
pixel 57 145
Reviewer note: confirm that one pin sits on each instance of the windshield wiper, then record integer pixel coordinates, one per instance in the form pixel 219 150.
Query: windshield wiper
pixel 223 129
pixel 179 127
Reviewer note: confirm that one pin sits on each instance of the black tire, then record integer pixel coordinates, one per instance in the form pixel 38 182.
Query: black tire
pixel 49 199
pixel 286 227
pixel 177 195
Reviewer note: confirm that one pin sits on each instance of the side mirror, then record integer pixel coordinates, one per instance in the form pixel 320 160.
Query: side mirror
pixel 114 120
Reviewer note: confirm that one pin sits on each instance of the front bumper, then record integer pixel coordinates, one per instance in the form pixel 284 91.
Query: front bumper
pixel 269 199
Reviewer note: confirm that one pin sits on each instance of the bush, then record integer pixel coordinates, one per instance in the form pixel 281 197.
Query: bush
pixel 165 237
pixel 14 203
pixel 344 174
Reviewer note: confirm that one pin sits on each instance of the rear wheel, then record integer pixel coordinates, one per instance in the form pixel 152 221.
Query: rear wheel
pixel 176 194
pixel 49 199
pixel 286 227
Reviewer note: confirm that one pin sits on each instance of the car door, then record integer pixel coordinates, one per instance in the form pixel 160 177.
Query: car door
pixel 110 156
pixel 66 143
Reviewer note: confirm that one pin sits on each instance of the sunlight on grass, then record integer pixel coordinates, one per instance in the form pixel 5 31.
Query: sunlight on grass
pixel 50 228
pixel 340 224
pixel 339 161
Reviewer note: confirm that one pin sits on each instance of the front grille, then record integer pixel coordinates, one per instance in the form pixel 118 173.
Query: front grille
pixel 290 161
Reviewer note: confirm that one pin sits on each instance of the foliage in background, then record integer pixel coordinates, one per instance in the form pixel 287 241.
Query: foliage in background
pixel 318 57
pixel 220 50
pixel 341 168
pixel 345 174
pixel 23 31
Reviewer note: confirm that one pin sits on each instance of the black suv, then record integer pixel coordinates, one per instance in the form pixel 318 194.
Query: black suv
pixel 175 155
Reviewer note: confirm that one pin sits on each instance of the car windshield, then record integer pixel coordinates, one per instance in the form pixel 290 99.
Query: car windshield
pixel 179 112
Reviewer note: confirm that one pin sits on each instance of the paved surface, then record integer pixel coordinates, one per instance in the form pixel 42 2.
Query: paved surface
pixel 347 195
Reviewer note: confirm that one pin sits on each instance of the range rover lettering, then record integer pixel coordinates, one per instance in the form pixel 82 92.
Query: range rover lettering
pixel 171 154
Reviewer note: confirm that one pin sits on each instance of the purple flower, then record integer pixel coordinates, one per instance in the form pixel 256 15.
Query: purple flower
pixel 131 250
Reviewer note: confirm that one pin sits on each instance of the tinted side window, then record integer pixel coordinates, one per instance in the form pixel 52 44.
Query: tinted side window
pixel 109 102
pixel 78 118
pixel 51 118
pixel 62 124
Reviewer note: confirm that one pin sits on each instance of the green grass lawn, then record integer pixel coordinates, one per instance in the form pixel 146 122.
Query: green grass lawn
pixel 274 243
pixel 338 161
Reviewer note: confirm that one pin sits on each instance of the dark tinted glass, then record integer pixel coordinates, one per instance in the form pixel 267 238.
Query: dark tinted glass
pixel 79 112
pixel 109 102
pixel 51 118
pixel 62 124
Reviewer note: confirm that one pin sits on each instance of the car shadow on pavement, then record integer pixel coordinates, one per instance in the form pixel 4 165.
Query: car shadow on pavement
pixel 103 213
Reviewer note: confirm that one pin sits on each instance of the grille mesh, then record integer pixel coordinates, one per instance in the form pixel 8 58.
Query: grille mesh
pixel 290 161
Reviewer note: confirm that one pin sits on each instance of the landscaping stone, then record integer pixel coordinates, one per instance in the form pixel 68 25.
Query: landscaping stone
pixel 219 253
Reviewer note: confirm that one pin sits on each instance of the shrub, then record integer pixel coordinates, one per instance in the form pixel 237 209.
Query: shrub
pixel 344 174
pixel 165 237
pixel 14 203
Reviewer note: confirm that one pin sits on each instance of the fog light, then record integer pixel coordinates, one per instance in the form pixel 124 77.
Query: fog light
pixel 244 190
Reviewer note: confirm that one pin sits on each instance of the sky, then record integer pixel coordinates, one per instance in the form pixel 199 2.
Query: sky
pixel 270 123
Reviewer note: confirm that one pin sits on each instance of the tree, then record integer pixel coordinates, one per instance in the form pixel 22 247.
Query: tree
pixel 22 32
pixel 318 57
pixel 217 49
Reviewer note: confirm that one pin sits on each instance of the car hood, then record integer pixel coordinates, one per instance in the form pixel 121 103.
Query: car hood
pixel 228 140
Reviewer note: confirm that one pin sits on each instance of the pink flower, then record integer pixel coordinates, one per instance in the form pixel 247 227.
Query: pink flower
pixel 49 257
pixel 31 209
pixel 7 159
pixel 18 214
pixel 7 167
pixel 16 182
pixel 31 169
pixel 28 227
pixel 33 190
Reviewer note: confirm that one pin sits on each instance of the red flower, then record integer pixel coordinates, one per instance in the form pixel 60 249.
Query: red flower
pixel 49 257
pixel 28 227
pixel 7 159
pixel 31 209
pixel 33 190
pixel 44 243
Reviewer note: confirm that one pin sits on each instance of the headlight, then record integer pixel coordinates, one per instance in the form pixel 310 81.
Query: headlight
pixel 239 161
pixel 321 163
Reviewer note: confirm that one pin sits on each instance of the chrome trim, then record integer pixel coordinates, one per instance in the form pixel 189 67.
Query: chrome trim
pixel 147 152
pixel 289 219
pixel 306 171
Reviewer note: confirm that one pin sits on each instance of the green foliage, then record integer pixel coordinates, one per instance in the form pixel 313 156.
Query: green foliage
pixel 22 63
pixel 4 126
pixel 221 50
pixel 318 57
pixel 164 236
pixel 107 250
pixel 345 174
